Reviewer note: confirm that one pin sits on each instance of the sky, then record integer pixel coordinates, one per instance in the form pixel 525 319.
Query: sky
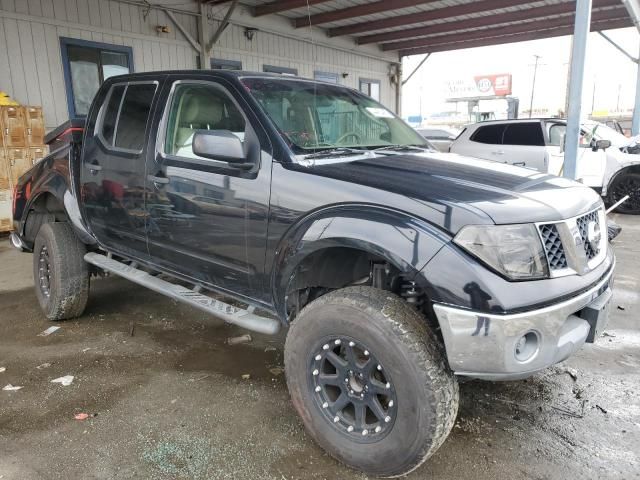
pixel 612 73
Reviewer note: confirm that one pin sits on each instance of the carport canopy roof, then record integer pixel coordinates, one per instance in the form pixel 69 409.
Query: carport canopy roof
pixel 413 27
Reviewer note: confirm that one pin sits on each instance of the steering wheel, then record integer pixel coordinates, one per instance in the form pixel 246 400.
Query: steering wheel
pixel 352 133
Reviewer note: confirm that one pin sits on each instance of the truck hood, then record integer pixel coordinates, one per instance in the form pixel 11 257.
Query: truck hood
pixel 471 189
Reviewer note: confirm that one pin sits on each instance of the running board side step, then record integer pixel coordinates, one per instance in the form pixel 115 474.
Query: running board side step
pixel 230 314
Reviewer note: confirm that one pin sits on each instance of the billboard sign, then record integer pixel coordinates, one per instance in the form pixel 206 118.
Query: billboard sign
pixel 495 85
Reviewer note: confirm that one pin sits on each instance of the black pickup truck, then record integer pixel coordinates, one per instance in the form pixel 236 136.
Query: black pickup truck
pixel 396 269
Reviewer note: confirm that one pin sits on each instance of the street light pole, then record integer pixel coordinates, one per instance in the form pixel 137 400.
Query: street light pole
pixel 533 85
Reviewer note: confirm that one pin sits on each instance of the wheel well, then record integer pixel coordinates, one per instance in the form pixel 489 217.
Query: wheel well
pixel 338 267
pixel 624 171
pixel 44 209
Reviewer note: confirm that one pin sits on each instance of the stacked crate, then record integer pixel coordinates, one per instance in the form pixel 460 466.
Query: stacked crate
pixel 21 146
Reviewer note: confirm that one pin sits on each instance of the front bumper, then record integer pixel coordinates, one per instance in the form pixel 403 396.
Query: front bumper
pixel 491 347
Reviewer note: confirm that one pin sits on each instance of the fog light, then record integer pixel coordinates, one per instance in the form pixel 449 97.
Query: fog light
pixel 526 347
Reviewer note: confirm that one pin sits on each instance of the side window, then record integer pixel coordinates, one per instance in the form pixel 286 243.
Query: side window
pixel 86 65
pixel 280 70
pixel 111 113
pixel 219 64
pixel 325 76
pixel 371 88
pixel 526 134
pixel 134 114
pixel 488 134
pixel 199 107
pixel 556 134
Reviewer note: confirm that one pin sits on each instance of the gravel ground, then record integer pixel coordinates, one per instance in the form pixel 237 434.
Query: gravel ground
pixel 170 401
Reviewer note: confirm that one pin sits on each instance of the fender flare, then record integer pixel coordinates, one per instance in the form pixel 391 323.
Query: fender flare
pixel 405 241
pixel 55 184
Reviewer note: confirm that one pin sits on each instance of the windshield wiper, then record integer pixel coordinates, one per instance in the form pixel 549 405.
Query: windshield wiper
pixel 336 152
pixel 401 148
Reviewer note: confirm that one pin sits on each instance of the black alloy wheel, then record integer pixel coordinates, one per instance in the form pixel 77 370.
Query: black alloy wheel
pixel 623 185
pixel 44 272
pixel 351 389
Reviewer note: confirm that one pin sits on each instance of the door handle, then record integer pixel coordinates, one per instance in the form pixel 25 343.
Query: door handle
pixel 498 152
pixel 158 181
pixel 93 167
pixel 520 164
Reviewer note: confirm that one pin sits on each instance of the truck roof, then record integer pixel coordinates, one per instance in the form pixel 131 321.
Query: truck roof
pixel 217 73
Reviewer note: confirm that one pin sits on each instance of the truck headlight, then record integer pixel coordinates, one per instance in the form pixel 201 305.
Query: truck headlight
pixel 515 251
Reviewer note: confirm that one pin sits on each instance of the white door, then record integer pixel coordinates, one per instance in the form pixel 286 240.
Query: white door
pixel 482 142
pixel 523 145
pixel 590 165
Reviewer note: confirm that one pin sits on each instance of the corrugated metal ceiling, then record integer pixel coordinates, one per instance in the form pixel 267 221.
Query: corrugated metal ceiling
pixel 461 23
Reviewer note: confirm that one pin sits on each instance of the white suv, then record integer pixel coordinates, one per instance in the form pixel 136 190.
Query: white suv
pixel 604 159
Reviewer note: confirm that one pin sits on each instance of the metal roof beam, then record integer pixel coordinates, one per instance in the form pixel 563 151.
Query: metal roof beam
pixel 282 6
pixel 515 38
pixel 356 11
pixel 523 27
pixel 452 26
pixel 436 14
pixel 619 48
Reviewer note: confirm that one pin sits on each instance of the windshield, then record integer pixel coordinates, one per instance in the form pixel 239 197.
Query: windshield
pixel 603 132
pixel 313 116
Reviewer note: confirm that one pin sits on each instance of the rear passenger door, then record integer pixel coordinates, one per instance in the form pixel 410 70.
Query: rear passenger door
pixel 112 173
pixel 523 145
pixel 483 142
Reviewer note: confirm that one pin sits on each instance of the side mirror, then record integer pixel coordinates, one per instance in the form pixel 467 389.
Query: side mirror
pixel 563 139
pixel 602 144
pixel 219 145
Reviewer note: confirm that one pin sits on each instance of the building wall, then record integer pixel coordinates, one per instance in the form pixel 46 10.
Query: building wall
pixel 31 68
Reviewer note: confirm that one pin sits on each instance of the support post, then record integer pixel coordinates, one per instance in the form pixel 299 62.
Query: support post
pixel 635 124
pixel 399 84
pixel 578 54
pixel 187 35
pixel 204 36
pixel 223 25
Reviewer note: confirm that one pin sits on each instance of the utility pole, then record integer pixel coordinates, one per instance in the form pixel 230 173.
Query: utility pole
pixel 533 85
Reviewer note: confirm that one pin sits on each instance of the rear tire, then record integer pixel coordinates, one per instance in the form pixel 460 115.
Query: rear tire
pixel 60 274
pixel 384 355
pixel 625 184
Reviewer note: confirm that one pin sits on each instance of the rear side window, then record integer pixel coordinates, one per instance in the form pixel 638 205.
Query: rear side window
pixel 111 113
pixel 527 134
pixel 134 115
pixel 488 134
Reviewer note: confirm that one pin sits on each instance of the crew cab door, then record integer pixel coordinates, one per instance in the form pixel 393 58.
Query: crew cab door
pixel 591 164
pixel 523 145
pixel 208 218
pixel 112 170
pixel 484 141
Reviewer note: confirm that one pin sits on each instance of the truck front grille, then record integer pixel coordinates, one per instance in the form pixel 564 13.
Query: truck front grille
pixel 553 246
pixel 567 245
pixel 583 227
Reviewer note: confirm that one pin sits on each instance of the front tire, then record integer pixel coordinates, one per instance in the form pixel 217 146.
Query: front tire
pixel 60 274
pixel 370 381
pixel 625 184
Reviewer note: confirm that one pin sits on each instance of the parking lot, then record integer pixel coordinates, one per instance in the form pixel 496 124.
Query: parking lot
pixel 167 397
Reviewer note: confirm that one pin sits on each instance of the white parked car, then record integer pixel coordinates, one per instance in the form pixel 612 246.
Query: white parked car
pixel 607 161
pixel 439 137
